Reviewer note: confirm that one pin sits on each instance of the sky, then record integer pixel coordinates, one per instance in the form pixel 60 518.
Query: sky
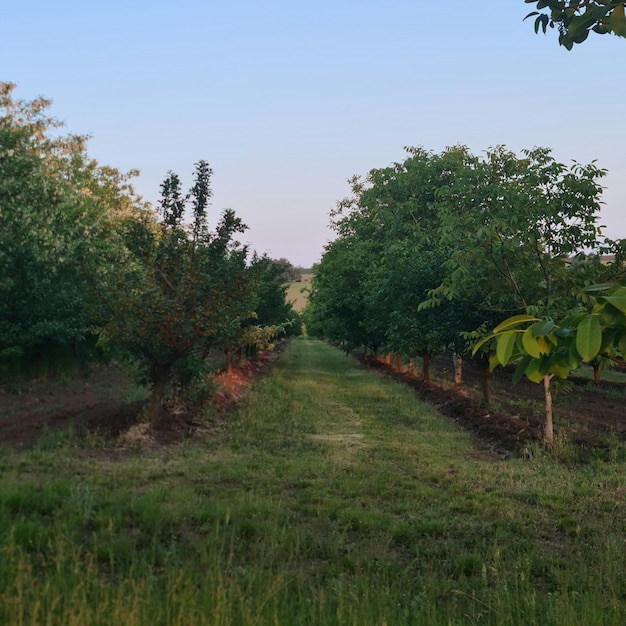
pixel 288 99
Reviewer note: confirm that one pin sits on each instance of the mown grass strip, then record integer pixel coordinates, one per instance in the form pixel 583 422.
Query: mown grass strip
pixel 331 496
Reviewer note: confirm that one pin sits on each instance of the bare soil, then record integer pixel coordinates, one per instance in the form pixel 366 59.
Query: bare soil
pixel 104 403
pixel 589 416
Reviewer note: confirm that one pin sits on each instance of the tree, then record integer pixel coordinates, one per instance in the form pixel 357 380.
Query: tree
pixel 191 290
pixel 59 212
pixel 513 225
pixel 575 19
pixel 544 348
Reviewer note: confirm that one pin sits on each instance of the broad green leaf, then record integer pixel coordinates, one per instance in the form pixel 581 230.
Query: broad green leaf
pixel 599 287
pixel 533 372
pixel 559 370
pixel 535 346
pixel 589 337
pixel 573 356
pixel 540 329
pixel 617 21
pixel 530 344
pixel 618 301
pixel 564 332
pixel 481 343
pixel 610 315
pixel 521 369
pixel 516 320
pixel 505 345
pixel 608 339
pixel 493 362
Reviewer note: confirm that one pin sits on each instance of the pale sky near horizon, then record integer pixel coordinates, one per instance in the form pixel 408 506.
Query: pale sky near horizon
pixel 287 100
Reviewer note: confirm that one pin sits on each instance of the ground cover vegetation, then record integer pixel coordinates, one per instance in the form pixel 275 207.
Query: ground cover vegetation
pixel 433 252
pixel 330 496
pixel 89 271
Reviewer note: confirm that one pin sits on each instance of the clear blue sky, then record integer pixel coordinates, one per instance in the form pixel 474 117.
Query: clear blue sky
pixel 287 99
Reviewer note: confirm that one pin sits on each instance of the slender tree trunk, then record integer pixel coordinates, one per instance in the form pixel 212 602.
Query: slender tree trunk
pixel 485 383
pixel 160 376
pixel 548 433
pixel 388 356
pixel 426 373
pixel 412 366
pixel 596 371
pixel 458 370
pixel 397 363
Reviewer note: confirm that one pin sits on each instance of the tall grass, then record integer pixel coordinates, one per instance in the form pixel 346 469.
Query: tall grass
pixel 330 497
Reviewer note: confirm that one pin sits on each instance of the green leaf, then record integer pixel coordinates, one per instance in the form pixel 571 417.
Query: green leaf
pixel 589 337
pixel 599 287
pixel 505 345
pixel 541 329
pixel 560 370
pixel 516 320
pixel 533 371
pixel 573 356
pixel 521 369
pixel 481 343
pixel 530 344
pixel 608 339
pixel 621 344
pixel 618 301
pixel 564 332
pixel 617 21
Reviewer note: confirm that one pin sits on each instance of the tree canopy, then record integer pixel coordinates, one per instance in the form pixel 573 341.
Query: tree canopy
pixel 575 19
pixel 59 212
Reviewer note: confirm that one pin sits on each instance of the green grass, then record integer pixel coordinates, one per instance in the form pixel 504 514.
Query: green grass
pixel 298 292
pixel 331 497
pixel 611 374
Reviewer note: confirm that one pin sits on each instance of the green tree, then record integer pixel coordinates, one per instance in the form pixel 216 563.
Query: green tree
pixel 513 225
pixel 543 349
pixel 271 307
pixel 59 212
pixel 575 19
pixel 191 288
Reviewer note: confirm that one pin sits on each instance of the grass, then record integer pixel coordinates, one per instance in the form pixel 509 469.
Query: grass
pixel 330 497
pixel 611 374
pixel 298 292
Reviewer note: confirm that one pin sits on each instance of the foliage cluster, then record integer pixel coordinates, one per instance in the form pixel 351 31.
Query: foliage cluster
pixel 433 251
pixel 575 19
pixel 86 265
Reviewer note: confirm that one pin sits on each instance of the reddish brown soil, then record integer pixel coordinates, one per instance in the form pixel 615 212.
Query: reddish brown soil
pixel 588 416
pixel 99 404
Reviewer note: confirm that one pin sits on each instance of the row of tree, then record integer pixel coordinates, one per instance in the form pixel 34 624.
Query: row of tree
pixel 434 251
pixel 86 266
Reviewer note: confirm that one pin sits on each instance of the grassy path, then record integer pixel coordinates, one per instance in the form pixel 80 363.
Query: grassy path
pixel 330 497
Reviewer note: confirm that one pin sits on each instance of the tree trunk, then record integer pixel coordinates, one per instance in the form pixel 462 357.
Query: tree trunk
pixel 388 356
pixel 397 363
pixel 458 370
pixel 160 376
pixel 596 371
pixel 548 433
pixel 485 383
pixel 426 373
